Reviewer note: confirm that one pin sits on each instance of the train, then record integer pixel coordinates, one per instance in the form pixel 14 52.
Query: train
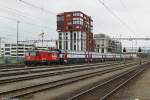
pixel 65 57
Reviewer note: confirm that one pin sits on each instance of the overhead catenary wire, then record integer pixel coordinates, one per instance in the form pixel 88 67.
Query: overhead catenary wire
pixel 129 14
pixel 18 13
pixel 116 16
pixel 21 21
pixel 21 15
pixel 15 20
pixel 37 7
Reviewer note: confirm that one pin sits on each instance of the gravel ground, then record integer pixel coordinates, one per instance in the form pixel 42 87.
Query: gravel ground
pixel 137 89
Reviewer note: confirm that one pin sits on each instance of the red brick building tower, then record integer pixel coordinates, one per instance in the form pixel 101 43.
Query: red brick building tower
pixel 75 31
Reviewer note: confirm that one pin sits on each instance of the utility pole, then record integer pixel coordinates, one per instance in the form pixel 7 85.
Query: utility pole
pixel 18 22
pixel 1 45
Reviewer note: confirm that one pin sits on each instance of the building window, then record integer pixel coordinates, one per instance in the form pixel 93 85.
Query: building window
pixel 74 47
pixel 13 51
pixel 75 19
pixel 81 22
pixel 66 45
pixel 20 51
pixel 7 53
pixel 76 22
pixel 7 49
pixel 102 50
pixel 7 45
pixel 68 15
pixel 60 34
pixel 60 18
pixel 13 45
pixel 71 41
pixel 60 44
pixel 13 48
pixel 77 27
pixel 20 54
pixel 20 44
pixel 67 27
pixel 60 38
pixel 74 36
pixel 69 23
pixel 81 14
pixel 76 14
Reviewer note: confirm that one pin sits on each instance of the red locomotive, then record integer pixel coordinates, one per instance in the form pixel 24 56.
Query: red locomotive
pixel 42 57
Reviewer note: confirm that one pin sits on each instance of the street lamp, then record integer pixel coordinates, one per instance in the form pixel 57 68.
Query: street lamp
pixel 18 22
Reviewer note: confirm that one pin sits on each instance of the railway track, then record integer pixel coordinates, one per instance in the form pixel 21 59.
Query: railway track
pixel 22 66
pixel 40 73
pixel 47 69
pixel 104 90
pixel 66 80
pixel 11 66
pixel 27 70
pixel 7 69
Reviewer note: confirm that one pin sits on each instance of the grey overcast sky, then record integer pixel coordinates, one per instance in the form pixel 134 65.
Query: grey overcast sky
pixel 135 13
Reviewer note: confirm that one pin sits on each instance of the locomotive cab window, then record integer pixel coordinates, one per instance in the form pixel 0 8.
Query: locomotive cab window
pixel 32 53
pixel 27 53
pixel 37 53
pixel 54 54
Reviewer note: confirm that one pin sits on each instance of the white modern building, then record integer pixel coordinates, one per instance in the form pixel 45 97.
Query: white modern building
pixel 72 41
pixel 10 50
pixel 105 44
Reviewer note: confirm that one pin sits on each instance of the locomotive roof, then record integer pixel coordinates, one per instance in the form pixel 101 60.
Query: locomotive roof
pixel 42 51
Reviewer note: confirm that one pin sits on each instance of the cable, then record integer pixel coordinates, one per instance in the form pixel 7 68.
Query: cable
pixel 16 13
pixel 117 17
pixel 13 19
pixel 37 7
pixel 125 7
